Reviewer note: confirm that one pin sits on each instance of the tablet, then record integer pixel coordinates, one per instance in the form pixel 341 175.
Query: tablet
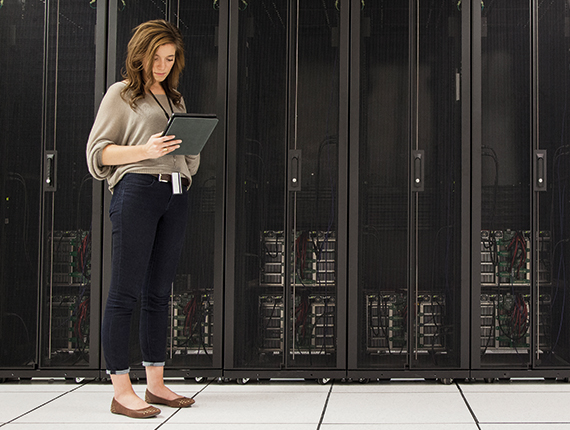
pixel 193 129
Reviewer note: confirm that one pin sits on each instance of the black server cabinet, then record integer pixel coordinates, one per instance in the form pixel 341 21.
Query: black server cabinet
pixel 286 235
pixel 520 314
pixel 196 306
pixel 409 190
pixel 49 312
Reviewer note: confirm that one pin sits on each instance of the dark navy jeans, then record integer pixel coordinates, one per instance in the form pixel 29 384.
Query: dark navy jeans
pixel 149 223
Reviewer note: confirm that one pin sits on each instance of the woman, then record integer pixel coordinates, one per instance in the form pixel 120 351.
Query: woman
pixel 147 213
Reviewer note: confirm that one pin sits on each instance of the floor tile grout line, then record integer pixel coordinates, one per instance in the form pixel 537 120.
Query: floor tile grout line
pixel 205 386
pixel 468 406
pixel 43 404
pixel 168 419
pixel 325 406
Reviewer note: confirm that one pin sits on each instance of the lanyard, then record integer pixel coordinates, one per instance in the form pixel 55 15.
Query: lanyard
pixel 160 104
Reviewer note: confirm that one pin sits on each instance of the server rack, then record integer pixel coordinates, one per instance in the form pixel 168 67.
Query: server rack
pixel 196 308
pixel 409 194
pixel 49 315
pixel 287 142
pixel 519 233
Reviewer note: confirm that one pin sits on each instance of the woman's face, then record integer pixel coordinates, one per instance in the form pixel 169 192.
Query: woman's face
pixel 163 61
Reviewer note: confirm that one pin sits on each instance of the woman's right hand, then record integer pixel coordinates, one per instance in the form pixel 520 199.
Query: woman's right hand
pixel 159 146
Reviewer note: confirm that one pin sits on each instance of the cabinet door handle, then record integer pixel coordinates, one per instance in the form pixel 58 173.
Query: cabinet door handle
pixel 50 171
pixel 540 170
pixel 418 170
pixel 295 170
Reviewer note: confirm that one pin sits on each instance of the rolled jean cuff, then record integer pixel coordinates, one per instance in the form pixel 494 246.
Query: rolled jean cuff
pixel 119 372
pixel 153 363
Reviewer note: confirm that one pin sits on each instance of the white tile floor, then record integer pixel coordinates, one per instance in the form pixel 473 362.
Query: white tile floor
pixel 297 405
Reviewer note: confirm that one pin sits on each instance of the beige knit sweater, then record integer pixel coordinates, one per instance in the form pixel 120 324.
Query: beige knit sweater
pixel 116 123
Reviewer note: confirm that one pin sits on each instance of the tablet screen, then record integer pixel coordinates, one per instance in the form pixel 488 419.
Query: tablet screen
pixel 193 129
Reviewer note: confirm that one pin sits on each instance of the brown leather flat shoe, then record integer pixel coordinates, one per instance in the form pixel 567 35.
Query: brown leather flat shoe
pixel 181 402
pixel 147 412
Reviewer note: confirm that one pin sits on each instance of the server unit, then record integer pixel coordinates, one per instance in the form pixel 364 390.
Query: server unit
pixel 519 230
pixel 286 274
pixel 49 312
pixel 409 195
pixel 67 307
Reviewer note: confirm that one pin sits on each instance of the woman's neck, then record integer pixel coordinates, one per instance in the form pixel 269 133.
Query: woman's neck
pixel 156 88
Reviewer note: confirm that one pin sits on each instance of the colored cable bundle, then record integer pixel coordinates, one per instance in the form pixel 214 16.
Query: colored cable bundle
pixel 193 314
pixel 517 247
pixel 514 318
pixel 81 322
pixel 84 255
pixel 190 312
pixel 301 317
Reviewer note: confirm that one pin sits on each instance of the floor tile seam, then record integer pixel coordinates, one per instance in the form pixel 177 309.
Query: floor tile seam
pixel 202 389
pixel 167 419
pixel 471 411
pixel 325 406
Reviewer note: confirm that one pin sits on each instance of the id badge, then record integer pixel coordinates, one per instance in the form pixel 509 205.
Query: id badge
pixel 176 183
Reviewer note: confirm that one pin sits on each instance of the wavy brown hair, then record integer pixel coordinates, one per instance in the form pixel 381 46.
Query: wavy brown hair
pixel 146 39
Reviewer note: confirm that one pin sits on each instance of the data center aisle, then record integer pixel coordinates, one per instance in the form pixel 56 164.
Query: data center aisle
pixel 298 405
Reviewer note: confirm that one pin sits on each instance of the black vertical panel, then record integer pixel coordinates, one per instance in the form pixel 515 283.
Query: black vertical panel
pixel 353 196
pixel 506 241
pixel 313 207
pixel 256 311
pixel 436 209
pixel 67 185
pixel 473 134
pixel 21 58
pixel 49 64
pixel 551 257
pixel 313 210
pixel 283 293
pixel 383 185
pixel 410 202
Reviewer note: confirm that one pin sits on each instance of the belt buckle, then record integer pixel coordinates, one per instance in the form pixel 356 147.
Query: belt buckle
pixel 162 178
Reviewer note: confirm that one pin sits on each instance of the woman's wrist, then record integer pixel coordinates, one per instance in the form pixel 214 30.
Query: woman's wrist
pixel 115 155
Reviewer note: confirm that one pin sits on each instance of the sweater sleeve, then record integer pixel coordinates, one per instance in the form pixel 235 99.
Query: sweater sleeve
pixel 109 128
pixel 193 162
